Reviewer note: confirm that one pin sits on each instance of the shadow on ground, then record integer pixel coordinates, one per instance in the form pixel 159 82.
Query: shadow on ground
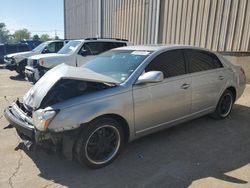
pixel 18 78
pixel 172 158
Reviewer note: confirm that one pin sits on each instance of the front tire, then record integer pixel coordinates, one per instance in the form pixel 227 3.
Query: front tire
pixel 99 143
pixel 21 68
pixel 224 106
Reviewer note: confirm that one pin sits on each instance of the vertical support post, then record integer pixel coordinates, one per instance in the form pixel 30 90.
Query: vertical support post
pixel 157 23
pixel 100 18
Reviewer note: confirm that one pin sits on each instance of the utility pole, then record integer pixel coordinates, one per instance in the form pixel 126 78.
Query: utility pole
pixel 55 34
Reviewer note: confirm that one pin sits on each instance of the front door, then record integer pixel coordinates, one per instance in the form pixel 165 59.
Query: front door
pixel 160 103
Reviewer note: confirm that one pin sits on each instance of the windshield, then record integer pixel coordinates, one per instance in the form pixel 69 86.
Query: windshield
pixel 117 64
pixel 40 47
pixel 70 47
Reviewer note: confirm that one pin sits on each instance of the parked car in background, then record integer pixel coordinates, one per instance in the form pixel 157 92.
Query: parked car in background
pixel 31 43
pixel 90 112
pixel 75 53
pixel 18 61
pixel 11 48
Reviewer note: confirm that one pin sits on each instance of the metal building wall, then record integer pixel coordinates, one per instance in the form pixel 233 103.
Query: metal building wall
pixel 81 18
pixel 134 20
pixel 220 25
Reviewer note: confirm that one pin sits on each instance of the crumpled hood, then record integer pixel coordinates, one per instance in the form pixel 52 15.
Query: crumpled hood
pixel 21 54
pixel 35 95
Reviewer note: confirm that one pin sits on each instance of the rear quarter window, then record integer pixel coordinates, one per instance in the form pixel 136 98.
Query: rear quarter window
pixel 202 61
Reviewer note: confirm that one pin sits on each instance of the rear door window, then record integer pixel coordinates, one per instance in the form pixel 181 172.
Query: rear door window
pixel 171 63
pixel 59 45
pixel 202 61
pixel 94 48
pixel 108 45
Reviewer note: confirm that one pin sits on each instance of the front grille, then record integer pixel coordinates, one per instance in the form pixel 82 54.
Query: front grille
pixel 35 63
pixel 32 63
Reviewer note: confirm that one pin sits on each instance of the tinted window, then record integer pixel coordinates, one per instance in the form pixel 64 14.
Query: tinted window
pixel 59 45
pixel 171 63
pixel 51 47
pixel 94 48
pixel 23 48
pixel 119 44
pixel 1 50
pixel 108 45
pixel 202 61
pixel 11 49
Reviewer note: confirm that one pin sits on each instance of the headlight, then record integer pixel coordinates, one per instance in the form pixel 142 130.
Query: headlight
pixel 41 62
pixel 43 117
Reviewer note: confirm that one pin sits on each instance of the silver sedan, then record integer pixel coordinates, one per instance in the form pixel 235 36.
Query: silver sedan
pixel 90 112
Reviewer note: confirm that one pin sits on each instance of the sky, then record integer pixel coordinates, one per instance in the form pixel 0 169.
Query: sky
pixel 38 16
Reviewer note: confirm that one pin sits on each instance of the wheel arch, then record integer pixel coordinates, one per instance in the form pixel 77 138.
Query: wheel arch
pixel 120 119
pixel 233 90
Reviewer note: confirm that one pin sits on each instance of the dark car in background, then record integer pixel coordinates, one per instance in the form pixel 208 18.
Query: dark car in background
pixel 18 61
pixel 31 43
pixel 12 48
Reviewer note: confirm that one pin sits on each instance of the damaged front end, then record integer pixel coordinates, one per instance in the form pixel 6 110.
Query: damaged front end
pixel 33 117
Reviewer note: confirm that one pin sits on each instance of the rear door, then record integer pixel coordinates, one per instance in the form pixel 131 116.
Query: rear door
pixel 208 79
pixel 159 103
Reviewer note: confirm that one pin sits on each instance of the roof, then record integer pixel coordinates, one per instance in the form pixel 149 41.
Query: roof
pixel 156 47
pixel 100 39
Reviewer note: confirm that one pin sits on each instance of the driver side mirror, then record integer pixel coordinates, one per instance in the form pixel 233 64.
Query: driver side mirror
pixel 150 77
pixel 45 50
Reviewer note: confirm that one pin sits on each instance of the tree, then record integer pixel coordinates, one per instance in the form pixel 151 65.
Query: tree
pixel 44 37
pixel 36 37
pixel 56 37
pixel 21 34
pixel 4 33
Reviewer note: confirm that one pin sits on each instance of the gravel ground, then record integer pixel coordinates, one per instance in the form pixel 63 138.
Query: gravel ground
pixel 200 153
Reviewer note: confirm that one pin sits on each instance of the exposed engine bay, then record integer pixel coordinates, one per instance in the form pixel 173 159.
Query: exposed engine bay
pixel 68 88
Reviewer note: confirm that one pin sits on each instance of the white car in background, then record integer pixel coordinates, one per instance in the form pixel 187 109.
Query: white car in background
pixel 18 61
pixel 75 53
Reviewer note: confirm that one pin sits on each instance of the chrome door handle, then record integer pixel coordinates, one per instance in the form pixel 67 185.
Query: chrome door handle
pixel 221 77
pixel 185 86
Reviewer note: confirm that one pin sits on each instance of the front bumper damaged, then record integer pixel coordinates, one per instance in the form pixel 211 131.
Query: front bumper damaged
pixel 19 119
pixel 10 64
pixel 50 141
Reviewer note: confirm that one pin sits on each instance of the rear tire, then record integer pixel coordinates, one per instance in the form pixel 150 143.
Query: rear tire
pixel 224 106
pixel 100 143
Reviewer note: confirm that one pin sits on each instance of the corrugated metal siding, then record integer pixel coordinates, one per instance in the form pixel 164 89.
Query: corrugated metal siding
pixel 220 25
pixel 130 19
pixel 81 18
